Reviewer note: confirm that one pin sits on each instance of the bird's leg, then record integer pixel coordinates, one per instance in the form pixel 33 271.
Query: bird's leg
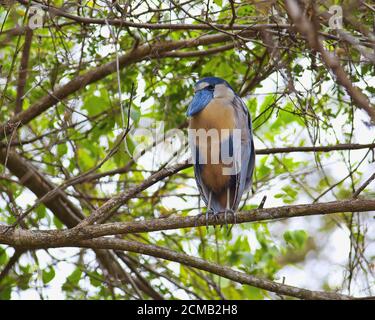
pixel 228 209
pixel 199 214
pixel 208 208
pixel 208 212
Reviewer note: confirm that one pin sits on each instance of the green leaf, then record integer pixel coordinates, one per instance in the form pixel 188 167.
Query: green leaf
pixel 95 279
pixel 253 293
pixel 3 256
pixel 41 211
pixel 95 105
pixel 57 223
pixel 135 113
pixel 48 275
pixel 62 149
pixel 5 293
pixel 298 69
pixel 297 238
pixel 370 89
pixel 75 276
pixel 85 159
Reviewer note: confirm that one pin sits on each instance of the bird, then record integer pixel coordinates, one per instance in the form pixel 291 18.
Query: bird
pixel 222 145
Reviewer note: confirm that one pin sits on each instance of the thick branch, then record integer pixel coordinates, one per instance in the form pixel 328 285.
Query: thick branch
pixel 23 70
pixel 30 177
pixel 50 238
pixel 59 204
pixel 226 272
pixel 26 239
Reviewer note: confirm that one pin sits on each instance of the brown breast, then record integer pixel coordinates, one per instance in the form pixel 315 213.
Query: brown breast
pixel 216 115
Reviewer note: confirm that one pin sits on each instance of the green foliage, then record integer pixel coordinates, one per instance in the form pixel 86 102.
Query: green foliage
pixel 72 280
pixel 3 256
pixel 48 275
pixel 95 105
pixel 292 98
pixel 297 238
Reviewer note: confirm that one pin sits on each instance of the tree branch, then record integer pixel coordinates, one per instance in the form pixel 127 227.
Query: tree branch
pixel 223 271
pixel 364 185
pixel 23 70
pixel 104 212
pixel 31 178
pixel 346 146
pixel 307 28
pixel 54 11
pixel 137 54
pixel 12 261
pixel 352 146
pixel 60 205
pixel 46 238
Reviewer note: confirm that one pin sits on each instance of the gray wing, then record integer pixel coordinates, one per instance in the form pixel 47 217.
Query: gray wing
pixel 243 122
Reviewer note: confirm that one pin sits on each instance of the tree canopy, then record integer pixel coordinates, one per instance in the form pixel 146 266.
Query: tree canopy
pixel 97 200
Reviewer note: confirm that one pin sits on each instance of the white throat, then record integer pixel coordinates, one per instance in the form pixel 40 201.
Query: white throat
pixel 223 92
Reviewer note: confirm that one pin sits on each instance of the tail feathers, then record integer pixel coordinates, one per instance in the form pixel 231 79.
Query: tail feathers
pixel 219 200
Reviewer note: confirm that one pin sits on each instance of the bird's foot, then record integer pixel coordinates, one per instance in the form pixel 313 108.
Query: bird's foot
pixel 232 213
pixel 206 215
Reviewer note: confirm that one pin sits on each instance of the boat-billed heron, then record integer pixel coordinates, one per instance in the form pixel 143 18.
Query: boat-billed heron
pixel 221 141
